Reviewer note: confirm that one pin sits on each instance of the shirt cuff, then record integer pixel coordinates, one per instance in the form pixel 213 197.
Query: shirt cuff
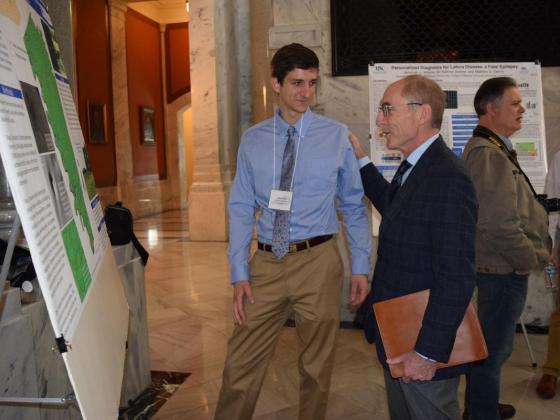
pixel 360 266
pixel 424 357
pixel 363 161
pixel 239 272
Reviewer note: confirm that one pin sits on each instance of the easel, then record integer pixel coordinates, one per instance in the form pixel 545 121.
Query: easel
pixel 57 402
pixel 529 347
pixel 549 271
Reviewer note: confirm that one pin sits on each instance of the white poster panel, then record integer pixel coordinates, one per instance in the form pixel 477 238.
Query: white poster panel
pixel 460 81
pixel 45 161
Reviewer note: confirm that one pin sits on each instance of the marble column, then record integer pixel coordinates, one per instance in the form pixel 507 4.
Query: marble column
pixel 263 95
pixel 551 105
pixel 123 147
pixel 61 16
pixel 216 91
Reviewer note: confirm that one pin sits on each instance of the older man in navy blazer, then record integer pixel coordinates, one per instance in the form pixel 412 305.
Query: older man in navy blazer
pixel 426 241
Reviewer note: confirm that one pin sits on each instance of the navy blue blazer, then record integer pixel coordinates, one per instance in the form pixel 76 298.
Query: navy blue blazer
pixel 426 241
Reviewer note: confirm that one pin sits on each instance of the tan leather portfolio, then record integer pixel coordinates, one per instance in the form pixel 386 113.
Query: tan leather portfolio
pixel 400 320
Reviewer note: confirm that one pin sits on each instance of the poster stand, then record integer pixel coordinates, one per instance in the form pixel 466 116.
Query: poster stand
pixel 10 249
pixel 62 401
pixel 70 399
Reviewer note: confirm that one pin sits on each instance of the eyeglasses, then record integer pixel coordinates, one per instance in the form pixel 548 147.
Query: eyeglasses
pixel 387 108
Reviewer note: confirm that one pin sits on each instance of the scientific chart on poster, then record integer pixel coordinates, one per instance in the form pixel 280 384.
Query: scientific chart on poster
pixel 460 81
pixel 45 160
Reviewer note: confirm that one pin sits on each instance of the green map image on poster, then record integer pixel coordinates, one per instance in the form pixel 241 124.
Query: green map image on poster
pixel 42 69
pixel 78 263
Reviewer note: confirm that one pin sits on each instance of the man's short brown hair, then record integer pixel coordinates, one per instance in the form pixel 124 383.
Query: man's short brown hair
pixel 425 91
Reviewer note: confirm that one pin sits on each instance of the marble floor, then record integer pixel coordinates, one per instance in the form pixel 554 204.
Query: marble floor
pixel 189 311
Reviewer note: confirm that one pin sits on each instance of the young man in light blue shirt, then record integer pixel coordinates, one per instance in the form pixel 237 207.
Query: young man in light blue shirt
pixel 296 169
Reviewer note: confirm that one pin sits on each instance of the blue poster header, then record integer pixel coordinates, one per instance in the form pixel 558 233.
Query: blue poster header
pixel 10 91
pixel 41 10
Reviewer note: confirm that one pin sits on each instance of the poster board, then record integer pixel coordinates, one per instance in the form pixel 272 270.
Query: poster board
pixel 460 81
pixel 45 160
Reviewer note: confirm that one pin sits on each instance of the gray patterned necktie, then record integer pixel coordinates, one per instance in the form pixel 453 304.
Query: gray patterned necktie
pixel 281 230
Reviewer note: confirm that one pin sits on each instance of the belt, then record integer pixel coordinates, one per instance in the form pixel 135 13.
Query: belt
pixel 298 246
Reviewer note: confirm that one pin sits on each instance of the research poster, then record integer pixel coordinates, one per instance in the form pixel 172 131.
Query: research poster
pixel 46 163
pixel 460 81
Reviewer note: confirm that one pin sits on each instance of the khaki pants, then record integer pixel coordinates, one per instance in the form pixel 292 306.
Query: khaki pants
pixel 552 365
pixel 310 283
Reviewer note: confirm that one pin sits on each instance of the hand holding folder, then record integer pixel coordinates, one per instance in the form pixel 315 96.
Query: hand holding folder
pixel 400 319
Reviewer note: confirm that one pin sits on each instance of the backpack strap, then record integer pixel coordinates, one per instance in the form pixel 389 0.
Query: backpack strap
pixel 141 250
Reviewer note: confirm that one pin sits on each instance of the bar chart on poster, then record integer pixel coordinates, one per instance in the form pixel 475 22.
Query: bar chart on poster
pixel 45 161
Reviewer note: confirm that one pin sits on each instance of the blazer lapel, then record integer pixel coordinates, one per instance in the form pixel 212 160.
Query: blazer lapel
pixel 413 181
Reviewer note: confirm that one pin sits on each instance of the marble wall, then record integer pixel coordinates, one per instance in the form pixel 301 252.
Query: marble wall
pixel 60 12
pixel 220 79
pixel 343 98
pixel 232 74
pixel 262 94
pixel 551 99
pixel 284 21
pixel 207 197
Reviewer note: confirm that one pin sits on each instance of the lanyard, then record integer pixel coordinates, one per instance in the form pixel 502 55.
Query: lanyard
pixel 274 152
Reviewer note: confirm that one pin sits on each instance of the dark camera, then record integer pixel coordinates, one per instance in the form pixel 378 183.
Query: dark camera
pixel 549 204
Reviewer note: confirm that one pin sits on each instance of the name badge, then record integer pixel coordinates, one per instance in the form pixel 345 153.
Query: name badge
pixel 280 200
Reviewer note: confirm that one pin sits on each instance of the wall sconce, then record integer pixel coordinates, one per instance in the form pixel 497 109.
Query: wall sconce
pixel 187 5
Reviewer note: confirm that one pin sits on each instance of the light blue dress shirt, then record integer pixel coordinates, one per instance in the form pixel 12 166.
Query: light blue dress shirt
pixel 325 170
